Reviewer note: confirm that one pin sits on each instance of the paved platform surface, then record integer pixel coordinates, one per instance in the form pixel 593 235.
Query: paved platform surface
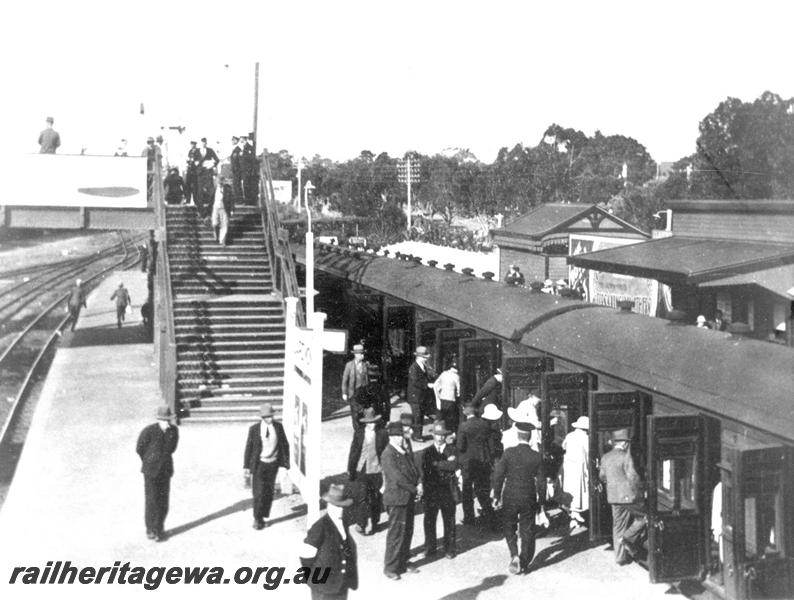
pixel 78 496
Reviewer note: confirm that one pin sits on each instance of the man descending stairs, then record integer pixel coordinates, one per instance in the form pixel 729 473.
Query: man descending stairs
pixel 229 326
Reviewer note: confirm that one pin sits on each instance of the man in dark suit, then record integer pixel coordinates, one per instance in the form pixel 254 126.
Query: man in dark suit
pixel 328 545
pixel 475 454
pixel 355 376
pixel 490 392
pixel 206 161
pixel 625 496
pixel 76 301
pixel 236 163
pixel 191 173
pixel 363 466
pixel 401 489
pixel 439 464
pixel 250 166
pixel 420 390
pixel 373 395
pixel 517 481
pixel 156 445
pixel 266 449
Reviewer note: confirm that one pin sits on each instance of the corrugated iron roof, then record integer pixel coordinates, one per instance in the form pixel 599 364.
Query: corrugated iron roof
pixel 777 280
pixel 745 380
pixel 553 217
pixel 682 259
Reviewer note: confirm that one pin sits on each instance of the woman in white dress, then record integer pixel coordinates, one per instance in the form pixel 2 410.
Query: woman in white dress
pixel 574 475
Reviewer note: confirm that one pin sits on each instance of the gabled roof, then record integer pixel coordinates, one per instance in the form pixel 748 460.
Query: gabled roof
pixel 680 259
pixel 552 218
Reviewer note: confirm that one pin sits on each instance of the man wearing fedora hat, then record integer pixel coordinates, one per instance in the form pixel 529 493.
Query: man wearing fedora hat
pixel 518 484
pixel 475 453
pixel 329 546
pixel 363 466
pixel 440 486
pixel 624 495
pixel 266 450
pixel 575 470
pixel 420 390
pixel 355 376
pixel 156 445
pixel 401 488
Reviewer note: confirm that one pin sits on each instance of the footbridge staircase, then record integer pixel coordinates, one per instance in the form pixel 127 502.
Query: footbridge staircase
pixel 221 309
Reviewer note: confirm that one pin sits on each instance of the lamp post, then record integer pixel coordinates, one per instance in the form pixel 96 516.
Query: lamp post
pixel 309 257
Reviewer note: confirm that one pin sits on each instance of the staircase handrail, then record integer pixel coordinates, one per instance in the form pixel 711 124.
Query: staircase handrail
pixel 285 278
pixel 167 346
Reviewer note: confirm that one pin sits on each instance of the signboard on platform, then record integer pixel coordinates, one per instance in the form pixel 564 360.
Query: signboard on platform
pixel 302 405
pixel 608 289
pixel 73 180
pixel 282 191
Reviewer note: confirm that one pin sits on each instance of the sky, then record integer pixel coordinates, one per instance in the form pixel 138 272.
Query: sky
pixel 344 76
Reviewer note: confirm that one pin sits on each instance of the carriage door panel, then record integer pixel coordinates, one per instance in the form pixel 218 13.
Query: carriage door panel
pixel 447 346
pixel 399 334
pixel 563 400
pixel 479 359
pixel 608 412
pixel 520 378
pixel 763 536
pixel 426 333
pixel 676 497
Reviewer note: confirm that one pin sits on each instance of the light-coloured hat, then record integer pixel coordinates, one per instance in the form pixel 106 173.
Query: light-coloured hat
pixel 421 351
pixel 524 413
pixel 370 416
pixel 621 435
pixel 164 413
pixel 266 410
pixel 548 283
pixel 562 282
pixel 440 429
pixel 336 496
pixel 582 423
pixel 701 319
pixel 358 349
pixel 491 413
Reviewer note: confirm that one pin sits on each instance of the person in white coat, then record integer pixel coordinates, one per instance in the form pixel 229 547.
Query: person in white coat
pixel 574 474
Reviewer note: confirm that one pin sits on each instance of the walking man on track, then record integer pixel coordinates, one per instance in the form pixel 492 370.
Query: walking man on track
pixel 156 445
pixel 266 449
pixel 123 300
pixel 76 301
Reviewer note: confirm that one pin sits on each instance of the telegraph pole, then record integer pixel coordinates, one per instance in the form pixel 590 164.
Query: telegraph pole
pixel 408 173
pixel 256 102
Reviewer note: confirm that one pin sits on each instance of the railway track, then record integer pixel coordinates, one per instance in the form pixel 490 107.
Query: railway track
pixel 39 303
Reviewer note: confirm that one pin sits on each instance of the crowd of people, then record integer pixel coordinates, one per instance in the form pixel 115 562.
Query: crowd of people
pixel 392 468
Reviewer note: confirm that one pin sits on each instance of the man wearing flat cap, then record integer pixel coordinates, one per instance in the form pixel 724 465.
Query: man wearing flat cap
pixel 401 489
pixel 624 495
pixel 156 445
pixel 329 545
pixel 266 449
pixel 518 484
pixel 49 140
pixel 355 376
pixel 421 396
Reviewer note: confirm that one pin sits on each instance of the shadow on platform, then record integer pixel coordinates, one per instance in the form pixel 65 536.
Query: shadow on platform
pixel 470 593
pixel 562 549
pixel 106 335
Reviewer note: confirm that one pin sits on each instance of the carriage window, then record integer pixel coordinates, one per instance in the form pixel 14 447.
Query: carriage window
pixel 763 526
pixel 676 484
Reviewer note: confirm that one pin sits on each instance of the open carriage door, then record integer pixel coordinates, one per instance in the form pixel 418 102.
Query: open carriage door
pixel 398 331
pixel 610 411
pixel 677 494
pixel 479 359
pixel 446 349
pixel 563 400
pixel 759 547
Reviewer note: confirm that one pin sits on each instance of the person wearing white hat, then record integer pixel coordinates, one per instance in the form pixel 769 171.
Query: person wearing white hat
pixel 574 476
pixel 493 417
pixel 525 413
pixel 702 323
pixel 76 301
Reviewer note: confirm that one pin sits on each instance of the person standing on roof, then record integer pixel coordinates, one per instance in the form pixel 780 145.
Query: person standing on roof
pixel 123 300
pixel 49 140
pixel 514 276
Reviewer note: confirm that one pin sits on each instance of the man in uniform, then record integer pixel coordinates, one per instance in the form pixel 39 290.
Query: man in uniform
pixel 624 495
pixel 49 140
pixel 475 454
pixel 420 390
pixel 156 446
pixel 328 545
pixel 517 481
pixel 401 489
pixel 355 376
pixel 438 478
pixel 266 449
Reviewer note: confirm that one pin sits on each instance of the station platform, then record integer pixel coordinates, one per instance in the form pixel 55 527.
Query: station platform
pixel 78 496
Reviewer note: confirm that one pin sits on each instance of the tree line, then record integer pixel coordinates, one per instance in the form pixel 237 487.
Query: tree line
pixel 744 150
